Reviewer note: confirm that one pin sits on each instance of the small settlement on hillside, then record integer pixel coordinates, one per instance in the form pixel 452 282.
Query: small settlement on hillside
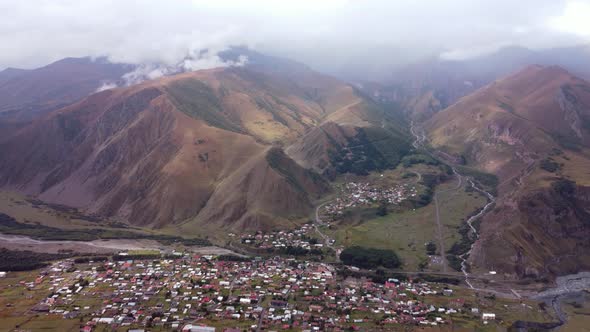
pixel 362 194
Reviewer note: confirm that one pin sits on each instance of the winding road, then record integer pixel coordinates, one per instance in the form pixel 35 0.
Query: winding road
pixel 327 240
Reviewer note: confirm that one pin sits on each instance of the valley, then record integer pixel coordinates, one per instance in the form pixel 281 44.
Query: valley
pixel 272 196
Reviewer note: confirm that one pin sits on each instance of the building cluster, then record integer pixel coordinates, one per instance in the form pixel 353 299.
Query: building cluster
pixel 303 237
pixel 203 292
pixel 364 194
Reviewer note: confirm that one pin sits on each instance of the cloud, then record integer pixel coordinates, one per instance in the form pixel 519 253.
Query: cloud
pixel 575 19
pixel 106 86
pixel 204 59
pixel 331 35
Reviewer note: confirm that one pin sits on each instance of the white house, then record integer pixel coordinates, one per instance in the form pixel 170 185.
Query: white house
pixel 488 316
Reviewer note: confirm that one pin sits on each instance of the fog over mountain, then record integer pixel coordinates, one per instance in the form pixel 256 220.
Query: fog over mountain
pixel 335 36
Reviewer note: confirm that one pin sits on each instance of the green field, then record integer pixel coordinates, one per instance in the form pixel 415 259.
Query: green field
pixel 408 232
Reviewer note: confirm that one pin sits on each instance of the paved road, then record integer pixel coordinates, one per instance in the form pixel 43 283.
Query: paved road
pixel 327 240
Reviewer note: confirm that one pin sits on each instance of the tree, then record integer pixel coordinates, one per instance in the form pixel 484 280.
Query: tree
pixel 431 248
pixel 369 258
pixel 382 209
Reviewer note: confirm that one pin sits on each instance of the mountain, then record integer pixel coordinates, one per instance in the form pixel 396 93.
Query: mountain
pixel 26 94
pixel 532 130
pixel 194 151
pixel 56 84
pixel 9 73
pixel 442 82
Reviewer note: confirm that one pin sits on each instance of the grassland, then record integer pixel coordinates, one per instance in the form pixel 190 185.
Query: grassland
pixel 455 207
pixel 408 231
pixel 24 216
pixel 507 310
pixel 27 210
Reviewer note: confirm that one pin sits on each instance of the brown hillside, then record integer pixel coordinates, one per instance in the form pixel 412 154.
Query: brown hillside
pixel 167 151
pixel 313 150
pixel 531 129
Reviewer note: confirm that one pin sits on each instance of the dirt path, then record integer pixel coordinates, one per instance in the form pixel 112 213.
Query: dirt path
pixel 439 227
pixel 418 143
pixel 441 242
pixel 349 105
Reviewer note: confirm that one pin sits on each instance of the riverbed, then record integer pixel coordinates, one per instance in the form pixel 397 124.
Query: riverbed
pixel 18 242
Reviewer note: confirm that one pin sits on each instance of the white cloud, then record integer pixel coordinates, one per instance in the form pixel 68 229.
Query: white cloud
pixel 106 86
pixel 194 60
pixel 332 35
pixel 575 19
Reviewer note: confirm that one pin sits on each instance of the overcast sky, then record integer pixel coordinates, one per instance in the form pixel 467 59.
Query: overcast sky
pixel 326 34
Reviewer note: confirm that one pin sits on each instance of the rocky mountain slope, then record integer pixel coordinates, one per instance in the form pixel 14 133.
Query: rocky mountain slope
pixel 531 129
pixel 198 150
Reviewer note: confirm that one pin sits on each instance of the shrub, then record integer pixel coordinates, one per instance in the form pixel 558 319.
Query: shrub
pixel 431 248
pixel 549 165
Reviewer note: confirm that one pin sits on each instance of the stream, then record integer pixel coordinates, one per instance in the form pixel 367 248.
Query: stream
pixel 470 221
pixel 419 142
pixel 568 286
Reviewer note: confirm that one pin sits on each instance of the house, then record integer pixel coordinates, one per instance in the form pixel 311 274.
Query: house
pixel 196 328
pixel 278 303
pixel 2 274
pixel 106 320
pixel 488 316
pixel 316 308
pixel 41 308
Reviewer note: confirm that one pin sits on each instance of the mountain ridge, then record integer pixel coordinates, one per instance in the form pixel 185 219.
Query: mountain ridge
pixel 187 150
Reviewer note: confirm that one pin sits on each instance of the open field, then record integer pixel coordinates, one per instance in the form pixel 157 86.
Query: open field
pixel 29 210
pixel 506 310
pixel 408 232
pixel 27 223
pixel 455 207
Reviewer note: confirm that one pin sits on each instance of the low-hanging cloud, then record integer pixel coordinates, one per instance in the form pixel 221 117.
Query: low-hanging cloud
pixel 205 59
pixel 106 86
pixel 330 35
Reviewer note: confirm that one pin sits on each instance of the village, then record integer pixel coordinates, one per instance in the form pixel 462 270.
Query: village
pixel 361 194
pixel 188 292
pixel 303 240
